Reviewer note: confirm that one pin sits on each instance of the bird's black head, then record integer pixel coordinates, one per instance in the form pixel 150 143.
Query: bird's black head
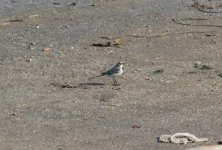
pixel 120 64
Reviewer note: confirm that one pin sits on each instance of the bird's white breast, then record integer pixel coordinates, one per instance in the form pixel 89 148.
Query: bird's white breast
pixel 120 71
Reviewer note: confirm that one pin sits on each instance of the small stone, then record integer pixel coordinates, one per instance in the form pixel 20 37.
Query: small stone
pixel 47 49
pixel 32 43
pixel 13 114
pixel 111 52
pixel 73 4
pixel 159 71
pixel 29 60
pixel 220 75
pixel 136 126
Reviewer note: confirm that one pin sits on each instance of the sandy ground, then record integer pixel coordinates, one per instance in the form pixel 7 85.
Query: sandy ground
pixel 38 113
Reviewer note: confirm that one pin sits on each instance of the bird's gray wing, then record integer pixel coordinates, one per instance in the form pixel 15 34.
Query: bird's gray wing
pixel 114 70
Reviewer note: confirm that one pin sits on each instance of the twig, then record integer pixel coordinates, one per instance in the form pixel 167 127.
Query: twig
pixel 163 35
pixel 63 85
pixel 154 36
pixel 16 20
pixel 195 19
pixel 202 8
pixel 207 11
pixel 189 24
pixel 107 44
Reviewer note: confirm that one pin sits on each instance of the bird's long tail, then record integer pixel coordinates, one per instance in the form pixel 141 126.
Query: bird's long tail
pixel 95 77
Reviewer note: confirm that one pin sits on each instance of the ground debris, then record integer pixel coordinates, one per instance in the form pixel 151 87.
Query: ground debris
pixel 147 78
pixel 16 20
pixel 191 72
pixel 103 100
pixel 180 21
pixel 165 34
pixel 31 45
pixel 115 43
pixel 207 8
pixel 5 23
pixel 107 44
pixel 65 85
pixel 116 88
pixel 118 41
pixel 13 114
pixel 47 49
pixel 135 126
pixel 201 66
pixel 181 138
pixel 73 4
pixel 80 86
pixel 210 34
pixel 56 3
pixel 105 37
pixel 202 6
pixel 220 75
pixel 158 71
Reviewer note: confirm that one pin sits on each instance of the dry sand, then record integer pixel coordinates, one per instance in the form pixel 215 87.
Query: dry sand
pixel 95 115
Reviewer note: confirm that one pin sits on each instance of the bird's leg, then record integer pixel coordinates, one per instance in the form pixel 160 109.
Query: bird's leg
pixel 115 81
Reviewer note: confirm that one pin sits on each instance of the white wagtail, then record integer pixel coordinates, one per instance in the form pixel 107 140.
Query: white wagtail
pixel 117 70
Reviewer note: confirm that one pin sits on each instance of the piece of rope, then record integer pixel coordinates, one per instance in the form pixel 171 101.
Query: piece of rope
pixel 181 138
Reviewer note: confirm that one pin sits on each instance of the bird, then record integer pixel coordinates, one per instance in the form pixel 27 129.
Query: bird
pixel 117 70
